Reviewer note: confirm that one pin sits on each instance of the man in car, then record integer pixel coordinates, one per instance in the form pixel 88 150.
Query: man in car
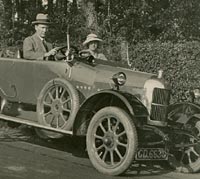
pixel 36 47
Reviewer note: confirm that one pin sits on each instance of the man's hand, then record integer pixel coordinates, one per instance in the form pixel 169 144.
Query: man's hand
pixel 51 52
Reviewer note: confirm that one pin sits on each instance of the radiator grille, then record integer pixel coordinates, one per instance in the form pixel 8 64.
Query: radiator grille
pixel 160 102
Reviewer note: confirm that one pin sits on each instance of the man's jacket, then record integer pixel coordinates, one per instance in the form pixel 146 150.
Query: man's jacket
pixel 34 49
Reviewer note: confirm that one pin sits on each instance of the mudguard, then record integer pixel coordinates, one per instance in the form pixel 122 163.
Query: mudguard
pixel 182 112
pixel 101 99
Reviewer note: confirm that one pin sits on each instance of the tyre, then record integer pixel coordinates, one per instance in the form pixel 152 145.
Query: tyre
pixel 111 141
pixel 9 109
pixel 57 105
pixel 187 159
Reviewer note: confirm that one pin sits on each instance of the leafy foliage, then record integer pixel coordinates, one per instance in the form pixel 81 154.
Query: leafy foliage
pixel 134 20
pixel 180 62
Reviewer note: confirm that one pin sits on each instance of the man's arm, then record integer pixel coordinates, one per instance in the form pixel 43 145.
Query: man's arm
pixel 29 52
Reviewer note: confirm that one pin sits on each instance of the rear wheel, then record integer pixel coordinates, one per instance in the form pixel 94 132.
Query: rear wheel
pixel 111 141
pixel 57 106
pixel 9 109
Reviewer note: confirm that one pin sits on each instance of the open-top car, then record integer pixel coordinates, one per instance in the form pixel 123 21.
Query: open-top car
pixel 124 114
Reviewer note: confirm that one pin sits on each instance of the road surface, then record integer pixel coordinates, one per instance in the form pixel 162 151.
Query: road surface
pixel 21 158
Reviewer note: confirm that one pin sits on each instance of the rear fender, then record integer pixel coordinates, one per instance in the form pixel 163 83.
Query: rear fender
pixel 130 103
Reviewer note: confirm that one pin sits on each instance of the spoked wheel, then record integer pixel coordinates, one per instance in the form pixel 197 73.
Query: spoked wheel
pixel 111 141
pixel 57 106
pixel 10 109
pixel 187 159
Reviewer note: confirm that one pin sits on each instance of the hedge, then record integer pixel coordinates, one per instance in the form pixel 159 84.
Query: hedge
pixel 179 61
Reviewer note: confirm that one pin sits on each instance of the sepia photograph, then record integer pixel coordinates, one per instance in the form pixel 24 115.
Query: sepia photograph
pixel 99 89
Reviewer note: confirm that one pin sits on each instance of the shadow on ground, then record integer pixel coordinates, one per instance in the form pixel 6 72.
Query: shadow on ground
pixel 143 169
pixel 76 146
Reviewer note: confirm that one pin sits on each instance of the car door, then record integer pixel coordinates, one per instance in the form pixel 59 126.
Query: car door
pixel 16 78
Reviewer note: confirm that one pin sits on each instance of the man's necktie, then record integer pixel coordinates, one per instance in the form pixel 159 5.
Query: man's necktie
pixel 45 45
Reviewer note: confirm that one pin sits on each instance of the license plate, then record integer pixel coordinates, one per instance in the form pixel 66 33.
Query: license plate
pixel 151 154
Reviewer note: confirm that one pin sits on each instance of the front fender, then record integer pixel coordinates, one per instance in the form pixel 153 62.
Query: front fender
pixel 130 103
pixel 182 112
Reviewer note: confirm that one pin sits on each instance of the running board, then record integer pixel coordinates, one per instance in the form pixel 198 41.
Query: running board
pixel 34 124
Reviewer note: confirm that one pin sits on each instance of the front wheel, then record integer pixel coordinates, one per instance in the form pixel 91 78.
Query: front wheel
pixel 187 159
pixel 111 141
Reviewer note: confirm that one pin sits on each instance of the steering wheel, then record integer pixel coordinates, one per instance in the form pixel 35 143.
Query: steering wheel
pixel 87 56
pixel 63 53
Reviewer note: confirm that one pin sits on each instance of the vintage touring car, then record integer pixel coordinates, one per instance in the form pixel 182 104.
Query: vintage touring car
pixel 124 114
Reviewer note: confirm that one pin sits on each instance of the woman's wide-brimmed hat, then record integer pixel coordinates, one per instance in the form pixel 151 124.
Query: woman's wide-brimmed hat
pixel 41 19
pixel 90 38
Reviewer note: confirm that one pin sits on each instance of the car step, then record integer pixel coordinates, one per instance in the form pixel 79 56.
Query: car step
pixel 34 124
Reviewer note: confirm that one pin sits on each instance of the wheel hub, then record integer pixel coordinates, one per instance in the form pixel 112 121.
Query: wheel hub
pixel 56 106
pixel 109 140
